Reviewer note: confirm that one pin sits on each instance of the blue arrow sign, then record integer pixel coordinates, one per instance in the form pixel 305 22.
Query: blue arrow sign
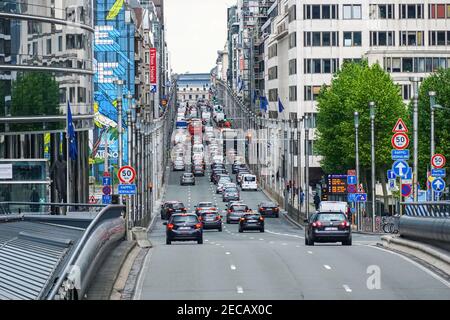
pixel 400 154
pixel 391 175
pixel 153 88
pixel 361 197
pixel 438 185
pixel 106 181
pixel 438 173
pixel 400 168
pixel 351 197
pixel 127 189
pixel 351 180
pixel 409 175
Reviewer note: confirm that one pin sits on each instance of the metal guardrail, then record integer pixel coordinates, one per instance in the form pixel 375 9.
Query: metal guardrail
pixel 427 209
pixel 106 228
pixel 43 208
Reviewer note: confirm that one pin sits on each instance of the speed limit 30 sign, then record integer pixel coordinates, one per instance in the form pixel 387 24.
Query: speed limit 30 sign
pixel 438 161
pixel 400 141
pixel 127 174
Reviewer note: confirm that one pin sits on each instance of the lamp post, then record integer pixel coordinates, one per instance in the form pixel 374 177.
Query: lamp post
pixel 357 164
pixel 415 81
pixel 299 163
pixel 307 166
pixel 372 127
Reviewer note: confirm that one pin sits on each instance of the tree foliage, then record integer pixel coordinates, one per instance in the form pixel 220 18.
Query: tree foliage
pixel 440 83
pixel 35 94
pixel 352 88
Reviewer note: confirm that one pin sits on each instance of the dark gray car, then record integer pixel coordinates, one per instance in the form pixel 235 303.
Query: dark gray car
pixel 230 194
pixel 187 179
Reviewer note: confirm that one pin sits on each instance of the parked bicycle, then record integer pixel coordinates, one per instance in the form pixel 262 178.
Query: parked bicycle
pixel 390 224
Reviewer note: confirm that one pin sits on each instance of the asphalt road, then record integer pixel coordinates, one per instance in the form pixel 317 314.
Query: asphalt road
pixel 275 264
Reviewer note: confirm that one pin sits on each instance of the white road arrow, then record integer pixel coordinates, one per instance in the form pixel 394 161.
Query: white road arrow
pixel 438 184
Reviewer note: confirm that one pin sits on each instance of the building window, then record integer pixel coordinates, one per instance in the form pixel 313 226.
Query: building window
pixel 411 11
pixel 292 13
pixel 311 120
pixel 273 95
pixel 292 40
pixel 147 57
pixel 406 91
pixel 292 66
pixel 382 11
pixel 293 93
pixel 72 95
pixel 439 38
pixel 321 39
pixel 324 11
pixel 352 39
pixel 321 65
pixel 411 38
pixel 352 11
pixel 273 73
pixel 382 38
pixel 272 51
pixel 439 11
pixel 62 95
pixel 416 64
pixel 81 95
pixel 49 46
pixel 312 92
pixel 147 78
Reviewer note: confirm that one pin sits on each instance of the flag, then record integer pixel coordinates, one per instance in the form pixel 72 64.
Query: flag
pixel 255 97
pixel 240 84
pixel 115 9
pixel 280 106
pixel 263 103
pixel 72 137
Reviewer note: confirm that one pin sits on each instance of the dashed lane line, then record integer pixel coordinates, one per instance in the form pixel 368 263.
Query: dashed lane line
pixel 347 288
pixel 327 267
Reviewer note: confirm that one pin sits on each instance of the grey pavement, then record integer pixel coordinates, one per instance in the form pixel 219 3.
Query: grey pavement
pixel 275 264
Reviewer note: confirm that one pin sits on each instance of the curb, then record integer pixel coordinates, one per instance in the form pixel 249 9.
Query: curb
pixel 287 217
pixel 419 250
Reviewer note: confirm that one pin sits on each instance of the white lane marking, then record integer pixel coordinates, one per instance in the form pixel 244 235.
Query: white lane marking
pixel 297 246
pixel 327 267
pixel 206 240
pixel 218 244
pixel 272 242
pixel 142 274
pixel 286 235
pixel 261 239
pixel 431 273
pixel 252 238
pixel 284 244
pixel 227 253
pixel 310 252
pixel 233 267
pixel 347 288
pixel 239 289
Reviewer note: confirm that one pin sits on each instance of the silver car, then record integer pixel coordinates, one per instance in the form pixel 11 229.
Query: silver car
pixel 178 165
pixel 187 178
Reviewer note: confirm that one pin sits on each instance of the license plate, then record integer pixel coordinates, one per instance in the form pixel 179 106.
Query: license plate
pixel 184 228
pixel 331 229
pixel 252 221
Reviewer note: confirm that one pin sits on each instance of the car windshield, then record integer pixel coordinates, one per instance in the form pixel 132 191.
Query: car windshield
pixel 187 175
pixel 209 214
pixel 328 217
pixel 239 208
pixel 252 216
pixel 176 206
pixel 224 179
pixel 249 178
pixel 231 190
pixel 184 219
pixel 205 204
pixel 268 205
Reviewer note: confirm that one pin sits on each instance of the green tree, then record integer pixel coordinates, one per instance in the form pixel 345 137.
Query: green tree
pixel 35 94
pixel 352 88
pixel 440 83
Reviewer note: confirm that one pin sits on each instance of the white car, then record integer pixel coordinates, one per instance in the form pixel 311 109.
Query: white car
pixel 178 165
pixel 249 182
pixel 209 129
pixel 221 184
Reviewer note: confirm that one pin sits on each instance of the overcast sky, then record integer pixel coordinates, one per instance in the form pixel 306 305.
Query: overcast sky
pixel 196 29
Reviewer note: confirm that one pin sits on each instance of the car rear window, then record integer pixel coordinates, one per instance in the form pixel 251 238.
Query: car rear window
pixel 239 208
pixel 252 216
pixel 231 190
pixel 177 206
pixel 184 219
pixel 331 217
pixel 188 175
pixel 209 214
pixel 249 179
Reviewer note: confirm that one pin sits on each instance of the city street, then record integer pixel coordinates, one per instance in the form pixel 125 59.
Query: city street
pixel 273 265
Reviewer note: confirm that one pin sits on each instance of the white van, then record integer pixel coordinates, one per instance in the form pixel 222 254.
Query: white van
pixel 334 206
pixel 249 182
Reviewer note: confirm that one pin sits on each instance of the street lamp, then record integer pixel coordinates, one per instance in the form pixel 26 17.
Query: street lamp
pixel 357 162
pixel 307 166
pixel 372 126
pixel 119 84
pixel 415 81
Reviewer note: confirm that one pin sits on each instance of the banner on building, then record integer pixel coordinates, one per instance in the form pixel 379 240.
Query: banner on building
pixel 153 78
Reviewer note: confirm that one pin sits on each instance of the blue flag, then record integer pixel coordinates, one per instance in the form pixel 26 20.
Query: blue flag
pixel 73 151
pixel 255 97
pixel 263 103
pixel 280 106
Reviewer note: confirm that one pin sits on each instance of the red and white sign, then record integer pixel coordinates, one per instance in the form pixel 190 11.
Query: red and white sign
pixel 400 141
pixel 93 200
pixel 438 161
pixel 400 127
pixel 153 65
pixel 126 174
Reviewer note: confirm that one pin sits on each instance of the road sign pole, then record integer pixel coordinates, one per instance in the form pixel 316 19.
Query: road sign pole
pixel 415 81
pixel 357 165
pixel 372 125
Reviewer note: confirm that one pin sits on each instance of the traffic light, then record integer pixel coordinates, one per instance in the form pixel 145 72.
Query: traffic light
pixel 324 194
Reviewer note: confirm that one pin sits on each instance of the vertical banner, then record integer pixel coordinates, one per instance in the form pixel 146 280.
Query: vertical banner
pixel 153 73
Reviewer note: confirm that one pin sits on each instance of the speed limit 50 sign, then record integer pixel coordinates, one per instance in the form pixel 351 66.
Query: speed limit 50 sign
pixel 127 174
pixel 438 161
pixel 400 141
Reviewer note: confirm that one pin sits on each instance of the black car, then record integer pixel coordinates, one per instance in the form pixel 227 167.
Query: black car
pixel 236 167
pixel 328 227
pixel 251 221
pixel 230 194
pixel 269 209
pixel 235 212
pixel 170 207
pixel 198 171
pixel 211 220
pixel 184 227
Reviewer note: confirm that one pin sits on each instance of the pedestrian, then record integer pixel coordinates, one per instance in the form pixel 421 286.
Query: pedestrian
pixel 317 201
pixel 34 198
pixel 302 197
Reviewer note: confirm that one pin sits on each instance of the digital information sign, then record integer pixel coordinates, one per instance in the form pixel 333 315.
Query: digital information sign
pixel 337 184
